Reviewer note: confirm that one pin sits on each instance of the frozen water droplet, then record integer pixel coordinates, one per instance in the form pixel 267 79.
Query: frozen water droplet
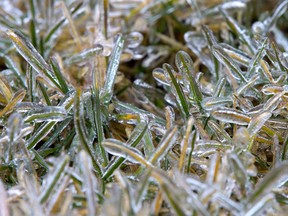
pixel 196 39
pixel 134 39
pixel 258 27
pixel 159 75
pixel 139 52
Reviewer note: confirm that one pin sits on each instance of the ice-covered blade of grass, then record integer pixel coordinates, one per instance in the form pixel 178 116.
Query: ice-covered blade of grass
pixel 114 60
pixel 258 56
pixel 158 74
pixel 5 89
pixel 211 40
pixel 220 87
pixel 257 122
pixel 49 35
pixel 118 148
pixel 81 131
pixel 231 116
pixel 165 145
pixel 59 171
pixel 184 64
pixel 225 59
pixel 270 181
pixel 277 13
pixel 17 97
pixel 182 101
pixel 222 135
pixel 32 56
pixel 273 102
pixel 14 127
pixel 240 31
pixel 85 55
pixel 237 55
pixel 134 139
pixel 47 113
pixel 89 181
pixel 185 143
pixel 59 75
pixel 212 103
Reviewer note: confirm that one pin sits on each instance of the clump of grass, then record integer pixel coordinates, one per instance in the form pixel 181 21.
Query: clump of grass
pixel 143 108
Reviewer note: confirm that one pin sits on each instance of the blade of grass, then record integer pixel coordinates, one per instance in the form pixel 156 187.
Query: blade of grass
pixel 185 64
pixel 17 97
pixel 57 26
pixel 59 170
pixel 116 147
pixel 135 138
pixel 82 131
pixel 98 122
pixel 179 91
pixel 185 144
pixel 164 146
pixel 59 75
pixel 31 55
pixel 114 61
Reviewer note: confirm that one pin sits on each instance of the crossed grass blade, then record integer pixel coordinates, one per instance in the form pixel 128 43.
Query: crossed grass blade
pixel 57 26
pixel 242 33
pixel 47 127
pixel 135 138
pixel 220 54
pixel 165 145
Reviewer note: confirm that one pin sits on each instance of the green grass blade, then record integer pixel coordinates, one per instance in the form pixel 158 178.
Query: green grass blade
pixel 82 131
pixel 59 75
pixel 185 64
pixel 179 91
pixel 48 113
